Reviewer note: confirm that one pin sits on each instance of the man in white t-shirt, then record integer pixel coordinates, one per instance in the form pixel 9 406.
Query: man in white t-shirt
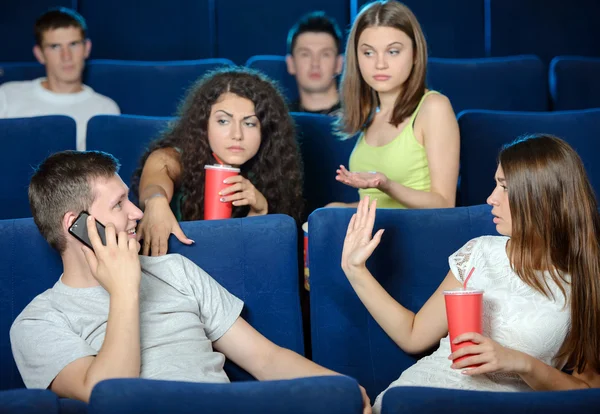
pixel 114 314
pixel 62 46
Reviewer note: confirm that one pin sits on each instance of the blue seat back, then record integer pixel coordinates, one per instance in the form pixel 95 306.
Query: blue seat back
pixel 483 133
pixel 574 82
pixel 27 142
pixel 126 137
pixel 275 68
pixel 121 29
pixel 20 71
pixel 263 27
pixel 410 263
pixel 330 395
pixel 546 29
pixel 516 83
pixel 322 154
pixel 148 88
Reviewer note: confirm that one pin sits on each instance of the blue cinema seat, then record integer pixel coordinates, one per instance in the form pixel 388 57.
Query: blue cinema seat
pixel 29 402
pixel 20 71
pixel 124 136
pixel 16 27
pixel 148 88
pixel 236 252
pixel 483 133
pixel 544 28
pixel 424 400
pixel 322 154
pixel 574 82
pixel 245 30
pixel 160 30
pixel 515 83
pixel 275 68
pixel 327 395
pixel 26 142
pixel 410 263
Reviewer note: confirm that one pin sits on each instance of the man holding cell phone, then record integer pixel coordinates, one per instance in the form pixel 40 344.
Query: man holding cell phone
pixel 114 314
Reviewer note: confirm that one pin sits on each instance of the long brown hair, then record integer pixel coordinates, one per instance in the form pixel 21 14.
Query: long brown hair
pixel 358 99
pixel 276 169
pixel 556 227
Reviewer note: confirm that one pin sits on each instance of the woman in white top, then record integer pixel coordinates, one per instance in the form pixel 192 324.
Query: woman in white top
pixel 541 280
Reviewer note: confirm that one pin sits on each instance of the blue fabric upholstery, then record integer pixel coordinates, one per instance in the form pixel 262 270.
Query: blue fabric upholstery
pixel 70 406
pixel 453 29
pixel 240 255
pixel 516 83
pixel 21 71
pixel 574 82
pixel 331 395
pixel 147 88
pixel 124 136
pixel 160 30
pixel 544 28
pixel 26 142
pixel 322 154
pixel 16 27
pixel 424 400
pixel 345 337
pixel 244 31
pixel 28 402
pixel 275 68
pixel 484 132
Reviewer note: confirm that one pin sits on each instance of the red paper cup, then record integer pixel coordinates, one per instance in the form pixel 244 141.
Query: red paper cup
pixel 464 310
pixel 214 208
pixel 306 271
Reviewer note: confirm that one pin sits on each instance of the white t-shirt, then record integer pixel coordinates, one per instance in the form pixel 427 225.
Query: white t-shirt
pixel 30 98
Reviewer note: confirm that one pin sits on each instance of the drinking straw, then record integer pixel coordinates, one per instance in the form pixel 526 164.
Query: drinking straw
pixel 218 159
pixel 468 277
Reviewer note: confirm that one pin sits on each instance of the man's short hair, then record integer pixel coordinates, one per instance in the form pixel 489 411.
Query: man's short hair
pixel 63 183
pixel 315 22
pixel 58 18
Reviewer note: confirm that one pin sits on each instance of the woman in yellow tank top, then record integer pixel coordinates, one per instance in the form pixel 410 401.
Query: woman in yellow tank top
pixel 407 153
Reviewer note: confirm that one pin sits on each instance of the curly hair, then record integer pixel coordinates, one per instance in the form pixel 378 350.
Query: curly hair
pixel 276 169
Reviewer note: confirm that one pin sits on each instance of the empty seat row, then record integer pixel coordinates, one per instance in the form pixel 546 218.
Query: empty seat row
pixel 344 337
pixel 198 29
pixel 517 83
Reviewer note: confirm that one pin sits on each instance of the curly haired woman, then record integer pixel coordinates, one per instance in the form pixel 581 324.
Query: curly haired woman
pixel 239 116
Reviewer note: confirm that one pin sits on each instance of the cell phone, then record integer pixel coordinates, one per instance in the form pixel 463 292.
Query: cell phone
pixel 79 230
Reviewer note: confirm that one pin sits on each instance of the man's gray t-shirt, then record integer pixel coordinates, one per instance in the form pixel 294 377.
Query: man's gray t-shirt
pixel 182 311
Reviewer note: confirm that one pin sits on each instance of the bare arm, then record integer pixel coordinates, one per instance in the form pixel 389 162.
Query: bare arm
pixel 161 172
pixel 441 138
pixel 262 358
pixel 542 377
pixel 414 333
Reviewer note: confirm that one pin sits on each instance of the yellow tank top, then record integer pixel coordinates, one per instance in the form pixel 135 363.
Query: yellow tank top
pixel 402 160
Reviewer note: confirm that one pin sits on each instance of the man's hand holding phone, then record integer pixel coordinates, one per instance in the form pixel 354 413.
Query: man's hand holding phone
pixel 115 266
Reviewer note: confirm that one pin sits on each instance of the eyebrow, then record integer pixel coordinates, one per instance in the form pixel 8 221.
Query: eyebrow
pixel 500 179
pixel 393 43
pixel 122 197
pixel 231 115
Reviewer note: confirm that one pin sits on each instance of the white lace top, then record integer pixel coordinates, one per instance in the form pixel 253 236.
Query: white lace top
pixel 514 315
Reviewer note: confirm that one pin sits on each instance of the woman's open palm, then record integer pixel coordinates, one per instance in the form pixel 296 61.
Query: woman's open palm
pixel 358 244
